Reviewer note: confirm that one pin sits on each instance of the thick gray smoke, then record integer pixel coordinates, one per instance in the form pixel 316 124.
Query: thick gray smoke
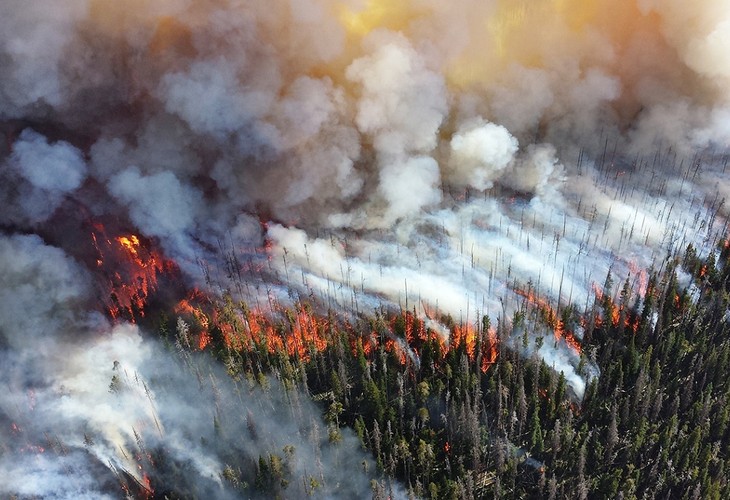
pixel 437 156
pixel 83 400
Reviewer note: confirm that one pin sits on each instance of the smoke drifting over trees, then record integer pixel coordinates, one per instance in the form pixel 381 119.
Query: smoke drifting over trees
pixel 432 156
pixel 84 400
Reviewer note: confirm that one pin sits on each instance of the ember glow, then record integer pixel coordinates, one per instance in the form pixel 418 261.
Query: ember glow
pixel 269 170
pixel 616 314
pixel 551 319
pixel 128 271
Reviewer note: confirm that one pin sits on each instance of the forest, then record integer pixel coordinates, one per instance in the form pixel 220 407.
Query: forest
pixel 476 417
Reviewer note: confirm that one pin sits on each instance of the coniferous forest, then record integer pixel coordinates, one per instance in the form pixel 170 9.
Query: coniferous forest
pixel 479 418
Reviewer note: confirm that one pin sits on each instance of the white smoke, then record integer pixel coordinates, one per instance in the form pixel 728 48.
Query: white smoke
pixel 403 102
pixel 159 205
pixel 34 38
pixel 480 151
pixel 84 401
pixel 43 174
pixel 428 155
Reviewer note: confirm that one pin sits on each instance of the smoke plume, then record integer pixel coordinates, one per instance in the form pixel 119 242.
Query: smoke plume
pixel 462 157
pixel 84 400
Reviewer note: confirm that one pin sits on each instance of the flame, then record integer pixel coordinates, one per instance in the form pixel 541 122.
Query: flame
pixel 192 307
pixel 552 320
pixel 129 269
pixel 642 278
pixel 615 311
pixel 466 335
pixel 243 329
pixel 147 485
pixel 397 349
pixel 130 243
pixel 370 344
pixel 204 340
pixel 28 448
pixel 300 332
pixel 132 293
pixel 490 354
pixel 307 333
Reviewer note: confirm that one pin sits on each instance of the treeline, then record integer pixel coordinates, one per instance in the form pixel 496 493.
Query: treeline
pixel 473 419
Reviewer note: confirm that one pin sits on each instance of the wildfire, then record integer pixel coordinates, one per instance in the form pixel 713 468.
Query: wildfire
pixel 147 485
pixel 192 307
pixel 552 320
pixel 28 447
pixel 641 276
pixel 204 340
pixel 31 448
pixel 369 344
pixel 299 333
pixel 307 332
pixel 615 311
pixel 130 243
pixel 467 335
pixel 129 268
pixel 397 349
pixel 490 353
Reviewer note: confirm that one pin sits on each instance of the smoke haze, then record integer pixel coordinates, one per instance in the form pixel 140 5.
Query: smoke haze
pixel 419 154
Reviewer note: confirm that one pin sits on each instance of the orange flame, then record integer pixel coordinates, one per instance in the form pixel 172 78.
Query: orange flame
pixel 552 320
pixel 204 340
pixel 369 344
pixel 397 349
pixel 491 353
pixel 616 311
pixel 243 329
pixel 130 270
pixel 301 332
pixel 465 334
pixel 642 276
pixel 130 243
pixel 187 308
pixel 147 484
